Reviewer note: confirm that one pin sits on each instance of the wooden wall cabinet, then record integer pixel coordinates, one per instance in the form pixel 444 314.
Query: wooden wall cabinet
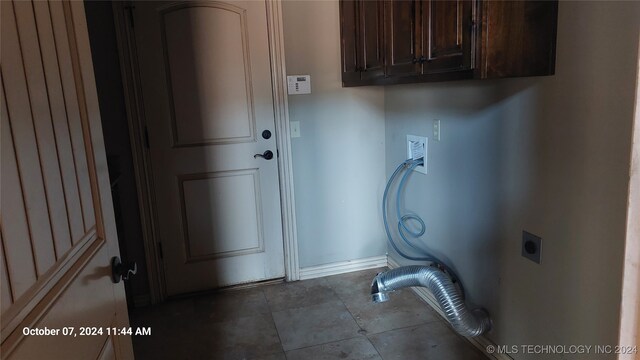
pixel 404 41
pixel 362 39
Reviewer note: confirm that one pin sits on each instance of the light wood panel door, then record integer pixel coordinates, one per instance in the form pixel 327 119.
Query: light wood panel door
pixel 207 90
pixel 56 219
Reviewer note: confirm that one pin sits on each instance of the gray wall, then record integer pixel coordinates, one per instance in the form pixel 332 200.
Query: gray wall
pixel 338 162
pixel 549 155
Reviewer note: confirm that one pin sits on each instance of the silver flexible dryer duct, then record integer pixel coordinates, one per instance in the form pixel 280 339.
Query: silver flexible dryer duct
pixel 465 322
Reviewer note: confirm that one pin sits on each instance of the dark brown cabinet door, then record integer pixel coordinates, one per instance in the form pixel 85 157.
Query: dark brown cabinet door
pixel 518 38
pixel 446 36
pixel 402 33
pixel 349 40
pixel 404 41
pixel 371 40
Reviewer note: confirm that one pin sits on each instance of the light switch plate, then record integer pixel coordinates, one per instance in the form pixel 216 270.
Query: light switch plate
pixel 295 129
pixel 299 84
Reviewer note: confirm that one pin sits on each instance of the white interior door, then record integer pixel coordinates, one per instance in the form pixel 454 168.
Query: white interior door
pixel 206 85
pixel 56 218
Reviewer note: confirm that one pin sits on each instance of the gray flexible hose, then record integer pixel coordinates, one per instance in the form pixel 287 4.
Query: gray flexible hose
pixel 465 322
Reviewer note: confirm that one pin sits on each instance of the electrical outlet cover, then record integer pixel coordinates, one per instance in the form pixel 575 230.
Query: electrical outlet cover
pixel 531 246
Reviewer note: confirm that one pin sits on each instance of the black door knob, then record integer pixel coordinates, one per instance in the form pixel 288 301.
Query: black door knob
pixel 266 134
pixel 120 270
pixel 267 155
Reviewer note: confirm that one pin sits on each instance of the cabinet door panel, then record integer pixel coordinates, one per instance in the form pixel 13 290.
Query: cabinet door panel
pixel 401 35
pixel 518 38
pixel 446 35
pixel 349 43
pixel 371 39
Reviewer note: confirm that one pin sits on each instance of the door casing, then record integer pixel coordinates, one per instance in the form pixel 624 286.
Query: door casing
pixel 141 157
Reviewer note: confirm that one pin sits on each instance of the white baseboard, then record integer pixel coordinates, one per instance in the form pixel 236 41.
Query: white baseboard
pixel 342 267
pixel 481 342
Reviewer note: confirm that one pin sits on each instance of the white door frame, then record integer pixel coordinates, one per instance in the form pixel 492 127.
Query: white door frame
pixel 629 331
pixel 142 160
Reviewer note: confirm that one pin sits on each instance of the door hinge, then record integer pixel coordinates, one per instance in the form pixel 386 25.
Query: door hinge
pixel 146 137
pixel 130 8
pixel 160 253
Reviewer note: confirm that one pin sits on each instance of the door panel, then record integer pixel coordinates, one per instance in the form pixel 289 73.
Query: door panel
pixel 76 307
pixel 25 144
pixel 349 44
pixel 57 228
pixel 73 108
pixel 19 258
pixel 6 297
pixel 59 119
pixel 203 46
pixel 108 350
pixel 402 36
pixel 221 212
pixel 49 163
pixel 371 33
pixel 446 35
pixel 206 82
pixel 446 27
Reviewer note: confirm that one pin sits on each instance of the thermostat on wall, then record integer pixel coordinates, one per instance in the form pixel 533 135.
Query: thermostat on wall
pixel 299 84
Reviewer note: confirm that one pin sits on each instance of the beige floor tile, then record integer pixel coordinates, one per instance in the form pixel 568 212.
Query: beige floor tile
pixel 314 325
pixel 402 310
pixel 324 318
pixel 351 349
pixel 231 304
pixel 299 294
pixel 425 342
pixel 356 284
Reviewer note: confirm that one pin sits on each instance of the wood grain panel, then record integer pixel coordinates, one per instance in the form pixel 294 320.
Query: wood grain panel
pixel 73 113
pixel 349 44
pixel 401 35
pixel 371 38
pixel 59 118
pixel 518 38
pixel 25 143
pixel 108 351
pixel 6 298
pixel 445 27
pixel 82 297
pixel 45 139
pixel 447 36
pixel 15 228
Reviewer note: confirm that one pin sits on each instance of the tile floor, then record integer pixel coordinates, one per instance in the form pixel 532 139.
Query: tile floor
pixel 326 318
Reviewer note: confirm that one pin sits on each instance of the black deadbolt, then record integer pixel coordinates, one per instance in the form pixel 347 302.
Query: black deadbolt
pixel 530 247
pixel 266 134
